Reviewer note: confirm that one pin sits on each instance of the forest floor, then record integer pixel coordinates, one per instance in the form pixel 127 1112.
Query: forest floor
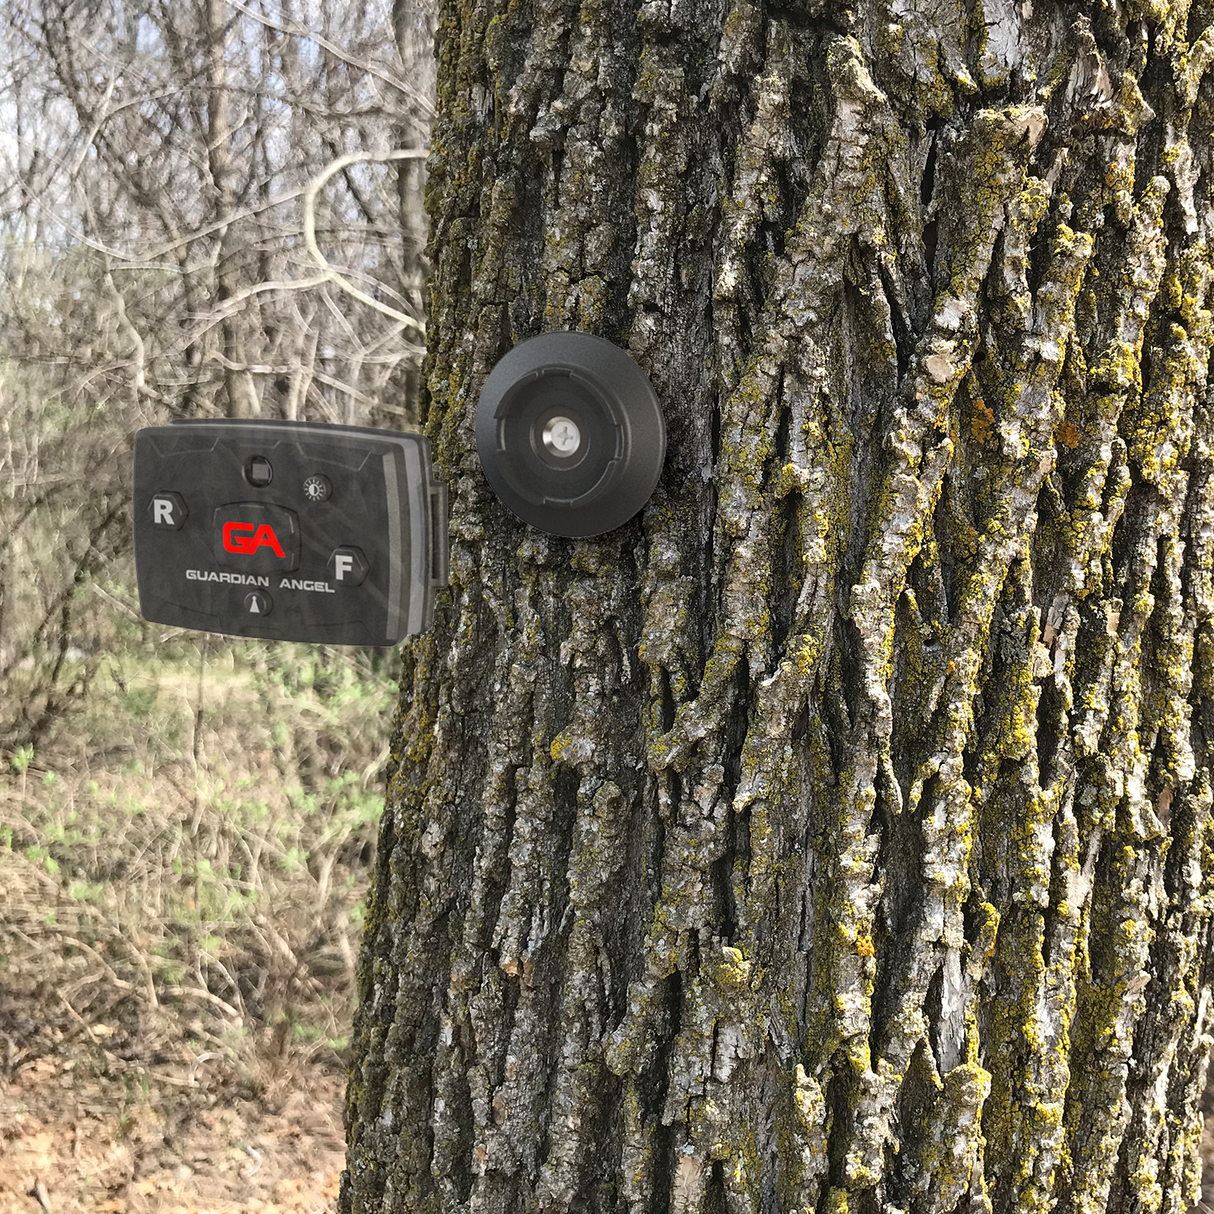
pixel 109 1110
pixel 116 1114
pixel 182 880
pixel 183 869
pixel 115 1119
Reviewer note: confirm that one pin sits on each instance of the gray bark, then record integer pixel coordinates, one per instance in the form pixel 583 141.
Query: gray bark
pixel 833 836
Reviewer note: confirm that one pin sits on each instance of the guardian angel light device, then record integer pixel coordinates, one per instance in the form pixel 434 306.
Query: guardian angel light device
pixel 290 531
pixel 570 434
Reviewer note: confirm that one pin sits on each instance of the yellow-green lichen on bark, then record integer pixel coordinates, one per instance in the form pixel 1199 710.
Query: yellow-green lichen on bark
pixel 836 836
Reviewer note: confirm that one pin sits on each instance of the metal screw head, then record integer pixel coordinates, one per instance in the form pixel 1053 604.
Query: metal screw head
pixel 561 435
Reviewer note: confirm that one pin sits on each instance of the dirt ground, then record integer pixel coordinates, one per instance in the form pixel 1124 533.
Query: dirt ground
pixel 116 1116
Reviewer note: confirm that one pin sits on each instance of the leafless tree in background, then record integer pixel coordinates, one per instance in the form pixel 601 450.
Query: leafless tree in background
pixel 213 208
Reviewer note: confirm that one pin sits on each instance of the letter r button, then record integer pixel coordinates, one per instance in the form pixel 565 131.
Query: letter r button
pixel 347 567
pixel 168 510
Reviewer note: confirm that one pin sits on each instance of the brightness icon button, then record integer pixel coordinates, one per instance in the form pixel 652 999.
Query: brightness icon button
pixel 317 488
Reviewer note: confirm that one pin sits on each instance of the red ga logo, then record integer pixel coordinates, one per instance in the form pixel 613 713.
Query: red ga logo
pixel 246 543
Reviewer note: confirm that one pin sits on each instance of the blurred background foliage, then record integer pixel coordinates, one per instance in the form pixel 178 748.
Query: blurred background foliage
pixel 187 822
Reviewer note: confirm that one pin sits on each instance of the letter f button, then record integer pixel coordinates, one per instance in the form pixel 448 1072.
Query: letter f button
pixel 348 566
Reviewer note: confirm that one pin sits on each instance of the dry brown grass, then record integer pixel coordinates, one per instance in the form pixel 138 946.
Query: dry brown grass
pixel 182 873
pixel 181 882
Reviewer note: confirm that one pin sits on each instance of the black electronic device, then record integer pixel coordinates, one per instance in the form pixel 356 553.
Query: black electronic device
pixel 570 434
pixel 290 531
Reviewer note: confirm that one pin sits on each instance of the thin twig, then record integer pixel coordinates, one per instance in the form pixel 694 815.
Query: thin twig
pixel 309 223
pixel 84 1024
pixel 38 1192
pixel 418 98
pixel 206 996
pixel 207 1057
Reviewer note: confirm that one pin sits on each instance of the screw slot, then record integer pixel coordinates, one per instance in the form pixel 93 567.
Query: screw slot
pixel 562 436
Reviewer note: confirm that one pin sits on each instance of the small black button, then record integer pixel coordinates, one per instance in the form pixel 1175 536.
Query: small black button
pixel 258 471
pixel 317 488
pixel 257 602
pixel 168 510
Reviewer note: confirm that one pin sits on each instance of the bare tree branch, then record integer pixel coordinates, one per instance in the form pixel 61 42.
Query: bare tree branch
pixel 414 95
pixel 310 227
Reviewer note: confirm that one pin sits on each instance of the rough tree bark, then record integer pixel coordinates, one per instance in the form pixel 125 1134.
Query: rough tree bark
pixel 833 836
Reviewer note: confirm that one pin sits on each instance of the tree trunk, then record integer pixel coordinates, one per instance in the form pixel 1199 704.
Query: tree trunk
pixel 831 837
pixel 242 395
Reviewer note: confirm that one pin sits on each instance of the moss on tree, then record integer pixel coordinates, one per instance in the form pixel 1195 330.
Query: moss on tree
pixel 834 836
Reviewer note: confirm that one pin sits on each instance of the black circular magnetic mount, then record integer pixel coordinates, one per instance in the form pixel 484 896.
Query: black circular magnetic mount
pixel 570 434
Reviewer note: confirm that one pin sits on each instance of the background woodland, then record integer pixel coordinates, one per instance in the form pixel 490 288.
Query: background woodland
pixel 200 215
